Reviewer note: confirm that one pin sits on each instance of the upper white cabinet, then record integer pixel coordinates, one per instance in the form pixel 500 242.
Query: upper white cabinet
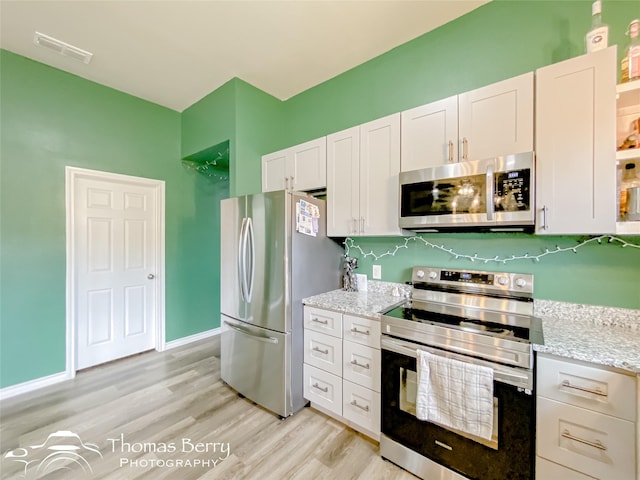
pixel 430 135
pixel 483 123
pixel 299 168
pixel 363 164
pixel 575 145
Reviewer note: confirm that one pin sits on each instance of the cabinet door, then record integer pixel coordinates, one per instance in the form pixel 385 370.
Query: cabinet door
pixel 379 170
pixel 343 190
pixel 308 168
pixel 497 119
pixel 575 145
pixel 591 443
pixel 429 135
pixel 274 170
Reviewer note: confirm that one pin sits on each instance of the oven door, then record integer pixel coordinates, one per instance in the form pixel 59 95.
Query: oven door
pixel 509 455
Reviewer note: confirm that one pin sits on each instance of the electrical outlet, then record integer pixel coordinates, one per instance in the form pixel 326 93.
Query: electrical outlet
pixel 377 272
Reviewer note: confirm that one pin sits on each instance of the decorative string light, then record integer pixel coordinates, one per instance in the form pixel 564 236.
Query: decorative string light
pixel 350 244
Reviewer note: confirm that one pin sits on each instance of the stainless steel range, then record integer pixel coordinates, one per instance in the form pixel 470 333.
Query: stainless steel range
pixel 477 317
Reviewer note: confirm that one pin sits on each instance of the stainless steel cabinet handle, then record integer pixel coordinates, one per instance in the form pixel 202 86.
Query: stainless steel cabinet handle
pixel 465 148
pixel 545 225
pixel 365 408
pixel 325 389
pixel 595 391
pixel 321 322
pixel 260 338
pixel 450 151
pixel 363 332
pixel 324 352
pixel 355 362
pixel 355 228
pixel 291 183
pixel 595 444
pixel 151 276
pixel 361 224
pixel 286 183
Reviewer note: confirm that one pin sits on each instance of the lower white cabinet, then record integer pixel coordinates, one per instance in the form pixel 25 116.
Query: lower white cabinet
pixel 361 406
pixel 323 388
pixel 342 368
pixel 553 471
pixel 585 421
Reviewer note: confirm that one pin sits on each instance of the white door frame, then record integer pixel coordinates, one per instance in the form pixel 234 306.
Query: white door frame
pixel 71 175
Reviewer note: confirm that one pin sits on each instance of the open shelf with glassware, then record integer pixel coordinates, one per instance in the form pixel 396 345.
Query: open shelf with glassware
pixel 628 154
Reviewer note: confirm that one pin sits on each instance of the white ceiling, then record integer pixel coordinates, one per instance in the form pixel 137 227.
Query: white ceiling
pixel 173 53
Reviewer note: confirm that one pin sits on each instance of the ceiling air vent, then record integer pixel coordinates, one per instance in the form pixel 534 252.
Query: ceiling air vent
pixel 62 48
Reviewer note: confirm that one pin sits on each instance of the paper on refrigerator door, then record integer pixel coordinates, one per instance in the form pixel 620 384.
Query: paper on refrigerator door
pixel 307 216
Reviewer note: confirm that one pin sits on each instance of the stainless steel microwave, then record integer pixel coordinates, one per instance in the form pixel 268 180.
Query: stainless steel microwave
pixel 496 194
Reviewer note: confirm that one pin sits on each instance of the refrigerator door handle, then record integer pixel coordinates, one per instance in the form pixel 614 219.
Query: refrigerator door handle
pixel 260 338
pixel 252 265
pixel 242 259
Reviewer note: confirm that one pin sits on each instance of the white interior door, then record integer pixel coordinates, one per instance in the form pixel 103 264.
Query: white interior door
pixel 116 267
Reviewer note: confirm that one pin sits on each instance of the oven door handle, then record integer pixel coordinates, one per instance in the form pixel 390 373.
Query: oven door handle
pixel 517 377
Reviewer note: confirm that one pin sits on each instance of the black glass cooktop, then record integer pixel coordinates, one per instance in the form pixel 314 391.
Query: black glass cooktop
pixel 477 321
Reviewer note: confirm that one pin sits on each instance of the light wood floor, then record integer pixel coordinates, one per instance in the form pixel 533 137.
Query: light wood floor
pixel 176 400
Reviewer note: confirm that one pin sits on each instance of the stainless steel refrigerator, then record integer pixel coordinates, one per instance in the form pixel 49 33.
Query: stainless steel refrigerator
pixel 274 253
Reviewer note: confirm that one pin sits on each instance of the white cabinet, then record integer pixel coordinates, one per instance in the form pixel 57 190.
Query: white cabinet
pixel 483 123
pixel 363 164
pixel 299 168
pixel 585 421
pixel 627 112
pixel 575 145
pixel 342 367
pixel 429 135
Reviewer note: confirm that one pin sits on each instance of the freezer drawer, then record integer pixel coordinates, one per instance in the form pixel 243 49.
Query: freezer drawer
pixel 256 363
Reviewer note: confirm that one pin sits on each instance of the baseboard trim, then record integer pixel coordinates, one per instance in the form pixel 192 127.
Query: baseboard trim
pixel 33 385
pixel 192 338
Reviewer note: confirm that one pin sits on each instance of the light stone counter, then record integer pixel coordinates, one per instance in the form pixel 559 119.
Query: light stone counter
pixel 377 299
pixel 600 335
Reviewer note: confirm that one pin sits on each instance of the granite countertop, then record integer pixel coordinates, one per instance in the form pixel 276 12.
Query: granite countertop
pixel 605 336
pixel 601 335
pixel 378 298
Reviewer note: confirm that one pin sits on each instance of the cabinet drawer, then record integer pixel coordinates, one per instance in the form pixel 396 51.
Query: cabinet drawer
pixel 362 330
pixel 546 470
pixel 323 321
pixel 323 388
pixel 323 351
pixel 589 387
pixel 591 443
pixel 361 365
pixel 361 406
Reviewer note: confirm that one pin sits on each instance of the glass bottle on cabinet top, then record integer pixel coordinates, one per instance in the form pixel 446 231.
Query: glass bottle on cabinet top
pixel 628 154
pixel 598 37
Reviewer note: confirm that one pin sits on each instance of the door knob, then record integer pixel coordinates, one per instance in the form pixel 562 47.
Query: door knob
pixel 151 276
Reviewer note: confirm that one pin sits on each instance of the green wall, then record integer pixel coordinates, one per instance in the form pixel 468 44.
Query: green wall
pixel 51 119
pixel 497 41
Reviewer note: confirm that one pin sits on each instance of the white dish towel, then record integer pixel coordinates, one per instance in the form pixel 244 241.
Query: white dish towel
pixel 455 394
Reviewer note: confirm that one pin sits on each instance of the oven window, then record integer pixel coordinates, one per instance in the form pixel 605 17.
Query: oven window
pixel 444 197
pixel 407 403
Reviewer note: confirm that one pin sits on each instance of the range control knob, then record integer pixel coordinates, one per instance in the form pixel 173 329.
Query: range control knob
pixel 503 281
pixel 420 274
pixel 433 275
pixel 521 282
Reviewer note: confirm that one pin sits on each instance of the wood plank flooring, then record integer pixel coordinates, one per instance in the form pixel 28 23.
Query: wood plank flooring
pixel 164 416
